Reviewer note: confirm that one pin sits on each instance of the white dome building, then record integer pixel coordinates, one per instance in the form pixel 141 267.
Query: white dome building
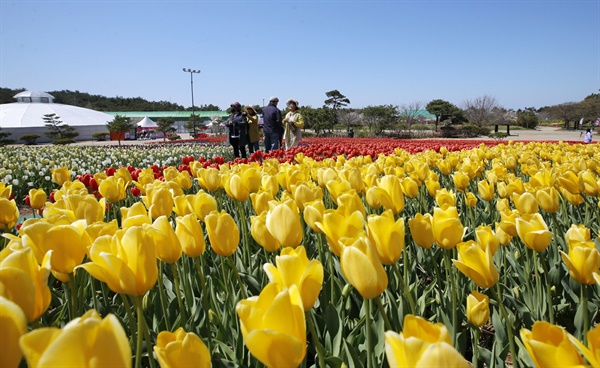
pixel 26 116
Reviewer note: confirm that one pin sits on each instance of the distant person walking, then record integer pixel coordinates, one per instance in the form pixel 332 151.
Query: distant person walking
pixel 237 125
pixel 272 125
pixel 253 134
pixel 588 136
pixel 293 123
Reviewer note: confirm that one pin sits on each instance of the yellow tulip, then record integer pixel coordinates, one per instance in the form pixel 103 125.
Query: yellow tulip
pixel 25 283
pixel 283 222
pixel 432 186
pixel 477 263
pixel 168 247
pixel 503 237
pixel 126 262
pixel 313 213
pixel 387 235
pixel 533 232
pixel 354 177
pixel 422 344
pixel 445 198
pixel 14 325
pixel 135 215
pixel 326 174
pixel 209 179
pixel 394 200
pixel 294 268
pixel 461 181
pixel 223 233
pixel 184 180
pixel 447 228
pixel 269 183
pixel 421 230
pixel 170 173
pixel 588 183
pixel 113 189
pixel 67 244
pixel 525 203
pixel 84 342
pixel 124 174
pixel 260 201
pixel 478 308
pixel 508 222
pixel 260 233
pixel 501 189
pixel 574 199
pixel 37 198
pixel 202 204
pixel 5 190
pixel 350 202
pixel 100 228
pixel 305 193
pixel 274 327
pixel 362 268
pixel 485 237
pixel 549 345
pixel 582 261
pixel 569 182
pixel 60 175
pixel 190 235
pixel 181 206
pixel 338 187
pixel 410 187
pixel 9 214
pixel 335 225
pixel 486 190
pixel 181 349
pixel 235 187
pixel 548 198
pixel 578 234
pixel 159 202
pixel 251 176
pixel 470 199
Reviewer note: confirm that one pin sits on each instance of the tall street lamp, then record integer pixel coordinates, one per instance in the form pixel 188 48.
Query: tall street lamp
pixel 191 71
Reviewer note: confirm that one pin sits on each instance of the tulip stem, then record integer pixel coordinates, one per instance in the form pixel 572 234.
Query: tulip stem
pixel 142 332
pixel 453 289
pixel 243 223
pixel 178 295
pixel 548 292
pixel 237 276
pixel 407 292
pixel 538 285
pixel 475 358
pixel 508 324
pixel 315 337
pixel 438 275
pixel 161 295
pixel 204 301
pixel 370 346
pixel 586 321
pixel 73 295
pixel 386 320
pixel 127 307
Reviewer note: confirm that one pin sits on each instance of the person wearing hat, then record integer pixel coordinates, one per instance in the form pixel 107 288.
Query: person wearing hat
pixel 253 134
pixel 272 127
pixel 237 125
pixel 293 123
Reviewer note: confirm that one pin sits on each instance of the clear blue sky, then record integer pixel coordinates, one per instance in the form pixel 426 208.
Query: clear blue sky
pixel 524 53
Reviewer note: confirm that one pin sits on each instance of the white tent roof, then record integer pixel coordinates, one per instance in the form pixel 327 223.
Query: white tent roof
pixel 146 123
pixel 23 115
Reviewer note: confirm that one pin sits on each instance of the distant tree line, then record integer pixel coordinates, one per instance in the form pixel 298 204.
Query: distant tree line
pixel 102 103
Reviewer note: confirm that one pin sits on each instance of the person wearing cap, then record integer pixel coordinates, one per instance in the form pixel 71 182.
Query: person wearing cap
pixel 253 134
pixel 272 127
pixel 237 125
pixel 293 123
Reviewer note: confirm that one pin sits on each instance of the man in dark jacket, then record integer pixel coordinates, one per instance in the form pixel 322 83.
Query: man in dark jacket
pixel 272 126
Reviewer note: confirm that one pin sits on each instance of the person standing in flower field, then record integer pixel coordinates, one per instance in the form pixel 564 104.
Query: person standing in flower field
pixel 237 125
pixel 588 136
pixel 272 124
pixel 253 134
pixel 293 123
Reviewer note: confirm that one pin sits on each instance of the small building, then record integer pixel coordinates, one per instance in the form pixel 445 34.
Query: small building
pixel 180 117
pixel 26 117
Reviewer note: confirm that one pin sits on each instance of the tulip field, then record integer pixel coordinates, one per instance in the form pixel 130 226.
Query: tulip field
pixel 336 253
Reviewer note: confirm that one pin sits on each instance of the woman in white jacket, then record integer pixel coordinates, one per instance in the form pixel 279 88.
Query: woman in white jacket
pixel 293 124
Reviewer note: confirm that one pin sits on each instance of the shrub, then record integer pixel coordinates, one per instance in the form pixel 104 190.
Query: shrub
pixel 448 131
pixel 29 138
pixel 101 136
pixel 63 141
pixel 498 135
pixel 174 137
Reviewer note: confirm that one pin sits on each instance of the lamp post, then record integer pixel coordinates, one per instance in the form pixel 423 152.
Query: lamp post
pixel 191 71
